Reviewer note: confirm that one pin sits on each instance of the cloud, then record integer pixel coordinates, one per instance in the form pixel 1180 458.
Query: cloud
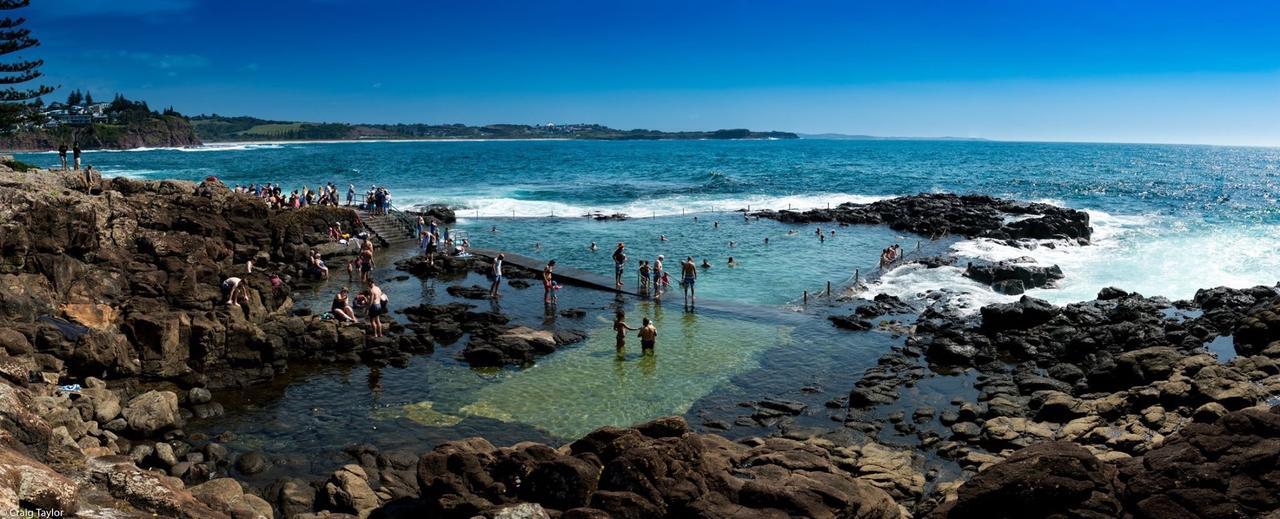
pixel 170 62
pixel 78 8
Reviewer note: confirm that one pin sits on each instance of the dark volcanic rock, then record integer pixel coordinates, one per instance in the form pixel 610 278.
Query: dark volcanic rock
pixel 1014 278
pixel 967 215
pixel 471 292
pixel 1055 479
pixel 658 469
pixel 1027 312
pixel 1230 468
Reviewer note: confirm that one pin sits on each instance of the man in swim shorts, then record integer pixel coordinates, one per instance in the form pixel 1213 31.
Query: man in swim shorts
pixel 689 276
pixel 648 336
pixel 619 262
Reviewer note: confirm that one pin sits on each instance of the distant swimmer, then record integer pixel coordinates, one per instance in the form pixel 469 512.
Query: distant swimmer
pixel 537 245
pixel 716 225
pixel 766 240
pixel 732 243
pixel 593 247
pixel 818 232
pixel 792 232
pixel 822 238
pixel 493 229
pixel 662 237
pixel 731 262
pixel 706 264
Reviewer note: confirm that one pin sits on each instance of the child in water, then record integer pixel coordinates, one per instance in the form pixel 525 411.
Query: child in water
pixel 620 325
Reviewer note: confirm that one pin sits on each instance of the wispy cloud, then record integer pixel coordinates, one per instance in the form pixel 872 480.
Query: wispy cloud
pixel 77 8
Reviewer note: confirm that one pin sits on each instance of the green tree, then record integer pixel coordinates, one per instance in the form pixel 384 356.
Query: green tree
pixel 15 38
pixel 88 98
pixel 74 98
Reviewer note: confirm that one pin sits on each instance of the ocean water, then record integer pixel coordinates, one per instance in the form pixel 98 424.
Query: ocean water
pixel 1168 220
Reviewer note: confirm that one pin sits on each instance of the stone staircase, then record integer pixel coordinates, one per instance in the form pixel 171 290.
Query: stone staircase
pixel 387 229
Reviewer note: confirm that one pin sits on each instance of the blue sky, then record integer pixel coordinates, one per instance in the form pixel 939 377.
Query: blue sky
pixel 1127 71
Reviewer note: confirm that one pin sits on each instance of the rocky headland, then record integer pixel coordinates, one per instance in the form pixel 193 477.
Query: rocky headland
pixel 1108 408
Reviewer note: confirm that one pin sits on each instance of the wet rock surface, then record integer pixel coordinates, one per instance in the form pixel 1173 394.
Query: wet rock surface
pixel 966 215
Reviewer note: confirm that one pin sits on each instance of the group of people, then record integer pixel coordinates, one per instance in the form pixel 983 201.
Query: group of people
pixel 75 151
pixel 653 277
pixel 890 255
pixel 377 200
pixel 372 300
pixel 275 196
pixel 648 333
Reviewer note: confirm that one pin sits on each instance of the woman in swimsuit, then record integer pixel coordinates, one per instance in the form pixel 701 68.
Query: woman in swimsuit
pixel 341 308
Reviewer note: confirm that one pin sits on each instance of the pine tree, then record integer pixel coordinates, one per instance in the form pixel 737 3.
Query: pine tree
pixel 88 98
pixel 74 98
pixel 15 38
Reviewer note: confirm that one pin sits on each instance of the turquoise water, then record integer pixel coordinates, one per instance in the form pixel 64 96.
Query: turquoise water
pixel 1168 220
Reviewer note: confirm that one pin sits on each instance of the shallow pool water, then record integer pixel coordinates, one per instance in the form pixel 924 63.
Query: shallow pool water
pixel 747 338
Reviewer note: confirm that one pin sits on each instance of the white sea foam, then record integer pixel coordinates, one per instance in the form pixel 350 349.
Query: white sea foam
pixel 1149 254
pixel 496 205
pixel 129 173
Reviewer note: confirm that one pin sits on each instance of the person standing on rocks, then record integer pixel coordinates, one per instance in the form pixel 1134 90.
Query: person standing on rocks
pixel 689 276
pixel 619 263
pixel 548 281
pixel 75 151
pixel 497 275
pixel 62 154
pixel 351 194
pixel 377 307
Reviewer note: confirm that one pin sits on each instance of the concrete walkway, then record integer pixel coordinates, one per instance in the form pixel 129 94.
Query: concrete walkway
pixel 564 274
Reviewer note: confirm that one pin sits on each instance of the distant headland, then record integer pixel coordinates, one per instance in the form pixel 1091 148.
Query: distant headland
pixel 217 128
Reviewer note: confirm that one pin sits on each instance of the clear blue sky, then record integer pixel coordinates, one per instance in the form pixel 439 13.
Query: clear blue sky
pixel 1129 71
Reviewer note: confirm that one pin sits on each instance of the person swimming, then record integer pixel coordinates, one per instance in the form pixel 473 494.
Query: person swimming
pixel 732 263
pixel 593 247
pixel 706 264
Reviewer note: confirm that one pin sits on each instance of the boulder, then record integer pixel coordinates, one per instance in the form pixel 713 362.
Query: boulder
pixel 251 462
pixel 348 491
pixel 1057 477
pixel 26 484
pixel 161 495
pixel 152 411
pixel 1027 312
